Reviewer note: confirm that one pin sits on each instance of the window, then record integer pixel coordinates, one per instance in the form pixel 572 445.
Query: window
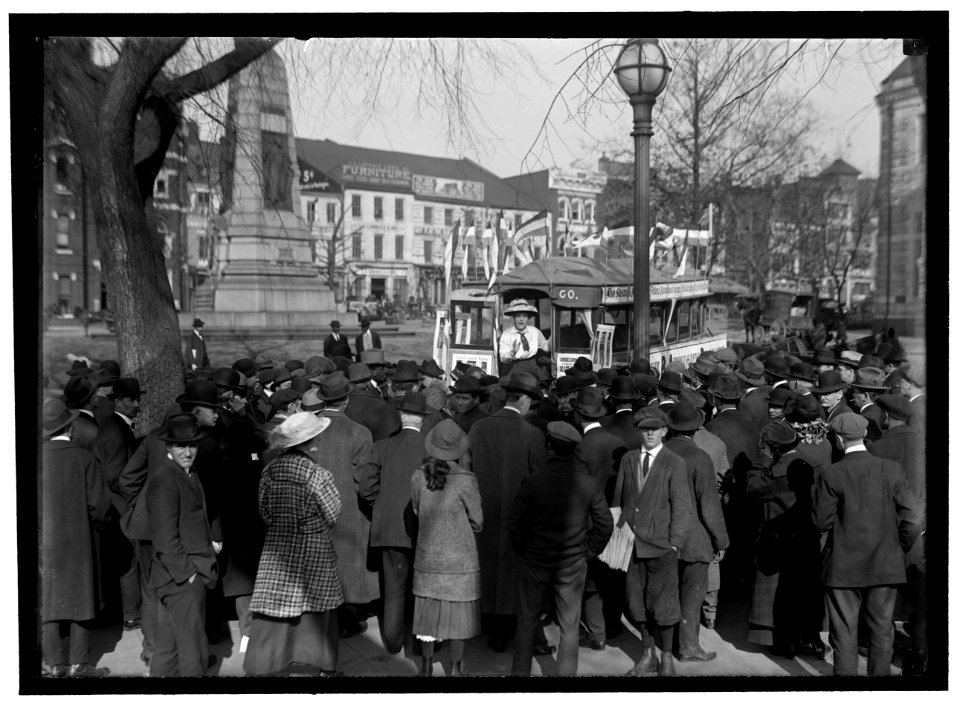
pixel 160 187
pixel 331 213
pixel 517 219
pixel 447 216
pixel 203 202
pixel 399 289
pixel 588 212
pixel 428 252
pixel 399 248
pixel 474 325
pixel 575 210
pixel 63 173
pixel 398 210
pixel 357 212
pixel 311 211
pixel 64 292
pixel 563 208
pixel 357 246
pixel 428 215
pixel 378 246
pixel 63 232
pixel 378 208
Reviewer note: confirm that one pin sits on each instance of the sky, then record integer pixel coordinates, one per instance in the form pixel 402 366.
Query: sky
pixel 513 112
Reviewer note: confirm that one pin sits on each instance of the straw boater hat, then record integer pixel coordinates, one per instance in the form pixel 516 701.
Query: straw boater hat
pixel 519 305
pixel 297 429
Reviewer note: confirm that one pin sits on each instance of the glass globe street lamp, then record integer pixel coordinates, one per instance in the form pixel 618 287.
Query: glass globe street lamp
pixel 642 73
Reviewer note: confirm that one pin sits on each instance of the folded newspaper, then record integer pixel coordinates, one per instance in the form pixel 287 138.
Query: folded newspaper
pixel 619 549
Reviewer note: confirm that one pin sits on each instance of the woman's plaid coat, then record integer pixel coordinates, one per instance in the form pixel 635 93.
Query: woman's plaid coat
pixel 299 504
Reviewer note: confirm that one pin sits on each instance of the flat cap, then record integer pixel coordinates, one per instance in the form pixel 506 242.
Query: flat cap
pixel 725 354
pixel 650 418
pixel 283 397
pixel 563 432
pixel 850 426
pixel 896 406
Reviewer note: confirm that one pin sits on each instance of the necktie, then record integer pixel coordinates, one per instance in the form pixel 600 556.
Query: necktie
pixel 646 465
pixel 523 341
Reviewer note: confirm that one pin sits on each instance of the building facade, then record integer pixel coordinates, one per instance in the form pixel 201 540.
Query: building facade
pixel 901 193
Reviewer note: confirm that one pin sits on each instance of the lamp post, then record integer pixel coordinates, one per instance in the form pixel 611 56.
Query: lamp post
pixel 642 72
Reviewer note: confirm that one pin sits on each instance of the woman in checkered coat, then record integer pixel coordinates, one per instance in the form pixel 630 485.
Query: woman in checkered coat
pixel 298 588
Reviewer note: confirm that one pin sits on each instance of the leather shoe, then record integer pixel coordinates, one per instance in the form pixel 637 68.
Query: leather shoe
pixel 346 632
pixel 698 655
pixel 497 644
pixel 57 671
pixel 787 651
pixel 86 671
pixel 599 645
pixel 812 646
pixel 648 663
pixel 129 625
pixel 666 665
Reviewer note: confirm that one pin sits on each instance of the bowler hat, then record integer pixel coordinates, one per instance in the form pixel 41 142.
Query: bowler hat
pixel 870 360
pixel 671 381
pixel 282 398
pixel 467 384
pixel 407 370
pixel 779 396
pixel 414 402
pixel 364 322
pixel 521 382
pixel 200 392
pixel 519 305
pixel 850 425
pixel 446 441
pixel 335 386
pixel 828 382
pixel 429 367
pixel 778 433
pixel 228 379
pixel 649 418
pixel 566 384
pixel 359 372
pixel 582 369
pixel 823 356
pixel 311 402
pixel 111 368
pixel 246 366
pixel 776 366
pixel 684 417
pixel 266 376
pixel 802 371
pixel 297 429
pixel 373 357
pixel 870 378
pixel 640 366
pixel 564 432
pixel 605 377
pixel 197 322
pixel 56 416
pixel 79 368
pixel 292 364
pixel 342 363
pixel 301 384
pixel 751 371
pixel 897 406
pixel 78 391
pixel 622 388
pixel 181 429
pixel 589 403
pixel 727 388
pixel 126 388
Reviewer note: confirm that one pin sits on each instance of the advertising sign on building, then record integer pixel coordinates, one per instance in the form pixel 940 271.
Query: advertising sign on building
pixel 362 172
pixel 314 180
pixel 431 187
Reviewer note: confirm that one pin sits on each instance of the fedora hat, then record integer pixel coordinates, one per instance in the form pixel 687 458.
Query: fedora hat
pixel 200 392
pixel 779 396
pixel 407 370
pixel 429 367
pixel 181 428
pixel 282 398
pixel 373 358
pixel 561 431
pixel 521 382
pixel 364 322
pixel 519 305
pixel 56 416
pixel 623 389
pixel 566 384
pixel 359 372
pixel 684 417
pixel 446 441
pixel 467 384
pixel 693 397
pixel 727 388
pixel 605 377
pixel 110 370
pixel 646 385
pixel 824 356
pixel 297 429
pixel 802 371
pixel 228 379
pixel 641 365
pixel 870 360
pixel 828 382
pixel 197 322
pixel 589 403
pixel 896 406
pixel 78 391
pixel 126 388
pixel 777 366
pixel 335 386
pixel 870 378
pixel 414 402
pixel 301 384
pixel 704 366
pixel 670 381
pixel 751 371
pixel 311 401
pixel 79 368
pixel 801 408
pixel 582 369
pixel 246 366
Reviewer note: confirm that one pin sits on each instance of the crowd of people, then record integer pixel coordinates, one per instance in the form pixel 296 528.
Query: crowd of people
pixel 304 498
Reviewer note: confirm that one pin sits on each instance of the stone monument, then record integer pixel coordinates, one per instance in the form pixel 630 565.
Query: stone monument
pixel 266 275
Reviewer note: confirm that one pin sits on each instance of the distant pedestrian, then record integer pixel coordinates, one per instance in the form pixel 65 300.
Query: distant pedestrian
pixel 367 339
pixel 336 344
pixel 196 355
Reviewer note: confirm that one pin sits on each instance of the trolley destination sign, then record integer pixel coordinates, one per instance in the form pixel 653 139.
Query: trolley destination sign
pixel 623 294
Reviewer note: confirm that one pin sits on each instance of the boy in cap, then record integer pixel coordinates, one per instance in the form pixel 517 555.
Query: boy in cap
pixel 521 343
pixel 879 521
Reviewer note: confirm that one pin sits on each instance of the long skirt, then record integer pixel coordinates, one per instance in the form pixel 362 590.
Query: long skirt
pixel 446 620
pixel 276 643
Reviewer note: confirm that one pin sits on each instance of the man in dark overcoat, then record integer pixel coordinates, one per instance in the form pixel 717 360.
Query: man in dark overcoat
pixel 653 495
pixel 864 391
pixel 81 395
pixel 384 490
pixel 706 539
pixel 344 452
pixel 465 401
pixel 335 343
pixel 103 378
pixel 503 449
pixel 558 522
pixel 367 406
pixel 622 395
pixel 195 355
pixel 184 561
pixel 367 339
pixel 872 517
pixel 74 496
pixel 754 401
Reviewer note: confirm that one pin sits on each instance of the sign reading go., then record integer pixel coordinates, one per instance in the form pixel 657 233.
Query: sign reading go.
pixel 574 297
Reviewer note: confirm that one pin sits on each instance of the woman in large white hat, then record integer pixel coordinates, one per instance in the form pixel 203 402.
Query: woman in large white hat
pixel 520 344
pixel 297 590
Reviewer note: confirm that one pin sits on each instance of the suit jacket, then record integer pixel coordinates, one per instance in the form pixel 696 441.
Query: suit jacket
pixel 660 510
pixel 708 532
pixel 134 480
pixel 872 517
pixel 754 406
pixel 903 445
pixel 332 347
pixel 368 408
pixel 179 530
pixel 85 431
pixel 559 516
pixel 840 409
pixel 598 455
pixel 715 449
pixel 196 352
pixel 741 437
pixel 384 488
pixel 621 424
pixel 358 345
pixel 878 422
pixel 466 420
pixel 114 446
